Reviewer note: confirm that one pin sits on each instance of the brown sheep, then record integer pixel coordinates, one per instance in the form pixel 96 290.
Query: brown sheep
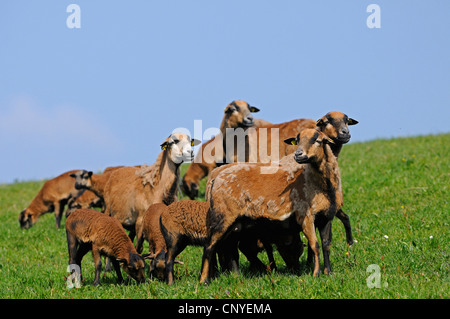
pixel 88 229
pixel 237 115
pixel 148 228
pixel 183 223
pixel 239 190
pixel 335 126
pixel 53 196
pixel 95 183
pixel 129 191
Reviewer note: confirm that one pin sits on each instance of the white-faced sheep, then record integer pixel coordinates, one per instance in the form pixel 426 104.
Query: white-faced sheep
pixel 129 191
pixel 306 184
pixel 88 229
pixel 237 115
pixel 53 196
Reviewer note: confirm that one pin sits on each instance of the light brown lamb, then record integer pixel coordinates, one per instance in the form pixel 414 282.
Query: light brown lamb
pixel 148 228
pixel 183 223
pixel 88 229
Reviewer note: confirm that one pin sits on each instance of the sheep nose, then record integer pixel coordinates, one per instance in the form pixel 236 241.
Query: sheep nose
pixel 298 153
pixel 344 131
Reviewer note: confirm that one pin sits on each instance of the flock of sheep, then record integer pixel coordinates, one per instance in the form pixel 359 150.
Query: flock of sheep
pixel 245 209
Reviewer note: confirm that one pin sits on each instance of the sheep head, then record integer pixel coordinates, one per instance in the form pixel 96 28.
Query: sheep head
pixel 179 147
pixel 238 114
pixel 27 218
pixel 82 179
pixel 310 144
pixel 134 267
pixel 335 125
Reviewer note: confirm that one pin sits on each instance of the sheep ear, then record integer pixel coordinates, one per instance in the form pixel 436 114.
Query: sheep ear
pixel 352 121
pixel 176 261
pixel 164 146
pixel 254 109
pixel 291 141
pixel 195 142
pixel 89 173
pixel 320 122
pixel 73 175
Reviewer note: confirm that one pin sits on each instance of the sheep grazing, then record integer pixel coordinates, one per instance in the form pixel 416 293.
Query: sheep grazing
pixel 52 197
pixel 237 115
pixel 88 229
pixel 129 191
pixel 183 223
pixel 148 229
pixel 239 191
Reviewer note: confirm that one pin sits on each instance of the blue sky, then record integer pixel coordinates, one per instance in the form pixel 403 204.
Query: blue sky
pixel 110 92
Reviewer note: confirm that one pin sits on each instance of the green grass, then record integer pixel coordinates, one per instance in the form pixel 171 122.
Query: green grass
pixel 395 192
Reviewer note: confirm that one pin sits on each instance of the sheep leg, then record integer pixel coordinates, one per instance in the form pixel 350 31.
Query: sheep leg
pixel 132 234
pixel 208 259
pixel 348 229
pixel 97 264
pixel 58 213
pixel 269 250
pixel 72 244
pixel 228 249
pixel 216 233
pixel 82 250
pixel 138 229
pixel 108 264
pixel 117 269
pixel 249 248
pixel 225 260
pixel 326 237
pixel 310 233
pixel 172 252
pixel 208 252
pixel 139 243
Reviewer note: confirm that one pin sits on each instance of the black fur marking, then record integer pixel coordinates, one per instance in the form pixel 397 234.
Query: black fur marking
pixel 313 139
pixel 167 237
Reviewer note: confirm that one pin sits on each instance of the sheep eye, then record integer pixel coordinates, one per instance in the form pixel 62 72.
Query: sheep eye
pixel 237 108
pixel 176 141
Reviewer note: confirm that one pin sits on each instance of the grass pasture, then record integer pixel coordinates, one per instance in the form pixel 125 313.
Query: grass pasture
pixel 395 192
